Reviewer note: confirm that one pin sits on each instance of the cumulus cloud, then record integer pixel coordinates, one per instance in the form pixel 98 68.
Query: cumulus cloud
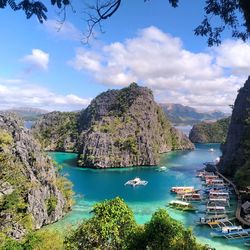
pixel 38 59
pixel 26 94
pixel 234 55
pixel 159 61
pixel 65 30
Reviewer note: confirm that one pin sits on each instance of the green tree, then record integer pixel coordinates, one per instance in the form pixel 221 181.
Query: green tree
pixel 109 228
pixel 163 232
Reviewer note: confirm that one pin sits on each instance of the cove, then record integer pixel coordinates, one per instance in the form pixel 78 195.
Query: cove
pixel 94 185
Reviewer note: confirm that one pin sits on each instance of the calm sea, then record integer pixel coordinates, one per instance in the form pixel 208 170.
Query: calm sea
pixel 91 186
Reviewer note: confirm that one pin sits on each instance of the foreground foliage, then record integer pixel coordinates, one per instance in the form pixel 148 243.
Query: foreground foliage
pixel 113 227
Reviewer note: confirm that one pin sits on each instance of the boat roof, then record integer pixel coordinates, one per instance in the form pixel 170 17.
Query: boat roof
pixel 216 207
pixel 218 193
pixel 182 187
pixel 179 202
pixel 217 199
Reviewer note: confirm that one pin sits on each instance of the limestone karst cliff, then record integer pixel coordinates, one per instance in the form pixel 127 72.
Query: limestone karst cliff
pixel 31 193
pixel 126 127
pixel 235 160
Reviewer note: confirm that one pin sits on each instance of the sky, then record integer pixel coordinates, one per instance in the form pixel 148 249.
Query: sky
pixel 47 66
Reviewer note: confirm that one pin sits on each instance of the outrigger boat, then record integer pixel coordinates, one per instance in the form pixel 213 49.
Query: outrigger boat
pixel 206 220
pixel 219 201
pixel 182 190
pixel 213 209
pixel 215 182
pixel 191 197
pixel 231 232
pixel 181 205
pixel 136 182
pixel 217 194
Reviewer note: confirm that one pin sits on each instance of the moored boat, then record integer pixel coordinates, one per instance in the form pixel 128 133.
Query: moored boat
pixel 136 182
pixel 191 197
pixel 181 205
pixel 213 209
pixel 182 189
pixel 205 220
pixel 231 232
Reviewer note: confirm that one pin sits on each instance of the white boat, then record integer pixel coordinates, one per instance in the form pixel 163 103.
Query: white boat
pixel 209 219
pixel 215 209
pixel 211 150
pixel 181 205
pixel 136 182
pixel 231 232
pixel 162 169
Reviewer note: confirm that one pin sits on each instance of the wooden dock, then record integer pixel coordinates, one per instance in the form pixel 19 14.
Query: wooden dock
pixel 239 203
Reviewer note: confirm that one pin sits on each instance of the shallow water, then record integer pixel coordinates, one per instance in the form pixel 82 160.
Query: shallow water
pixel 91 186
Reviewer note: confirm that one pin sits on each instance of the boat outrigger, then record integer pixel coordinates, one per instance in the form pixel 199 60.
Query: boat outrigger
pixel 181 205
pixel 136 182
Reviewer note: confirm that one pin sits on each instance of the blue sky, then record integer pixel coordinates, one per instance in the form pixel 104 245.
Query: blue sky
pixel 147 42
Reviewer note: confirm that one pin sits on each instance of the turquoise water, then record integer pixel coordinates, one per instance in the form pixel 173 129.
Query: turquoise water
pixel 91 186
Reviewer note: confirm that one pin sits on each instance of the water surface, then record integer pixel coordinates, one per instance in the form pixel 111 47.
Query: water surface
pixel 91 186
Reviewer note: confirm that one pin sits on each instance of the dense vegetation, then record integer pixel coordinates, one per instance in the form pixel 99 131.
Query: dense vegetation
pixel 112 226
pixel 210 132
pixel 57 131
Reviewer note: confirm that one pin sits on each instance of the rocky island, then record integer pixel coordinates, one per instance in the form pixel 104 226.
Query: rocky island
pixel 122 128
pixel 31 193
pixel 210 132
pixel 235 160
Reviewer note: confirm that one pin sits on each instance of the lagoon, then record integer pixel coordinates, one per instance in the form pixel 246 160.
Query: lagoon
pixel 94 185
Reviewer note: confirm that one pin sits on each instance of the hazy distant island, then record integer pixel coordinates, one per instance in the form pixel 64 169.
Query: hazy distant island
pixel 119 128
pixel 179 114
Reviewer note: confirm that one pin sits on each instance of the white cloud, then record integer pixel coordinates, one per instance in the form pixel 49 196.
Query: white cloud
pixel 65 30
pixel 234 55
pixel 38 59
pixel 159 61
pixel 26 94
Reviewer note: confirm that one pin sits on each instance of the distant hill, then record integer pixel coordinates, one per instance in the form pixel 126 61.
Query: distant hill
pixel 28 113
pixel 184 115
pixel 210 132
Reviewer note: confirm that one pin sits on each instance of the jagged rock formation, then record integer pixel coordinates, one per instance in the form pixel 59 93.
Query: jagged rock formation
pixel 210 132
pixel 235 160
pixel 184 115
pixel 57 131
pixel 31 193
pixel 126 127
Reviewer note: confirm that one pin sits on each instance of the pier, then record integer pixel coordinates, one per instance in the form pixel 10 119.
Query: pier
pixel 239 202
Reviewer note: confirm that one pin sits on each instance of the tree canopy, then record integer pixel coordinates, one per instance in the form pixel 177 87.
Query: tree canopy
pixel 232 14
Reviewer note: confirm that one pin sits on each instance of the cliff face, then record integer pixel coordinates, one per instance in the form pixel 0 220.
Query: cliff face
pixel 31 194
pixel 210 132
pixel 236 150
pixel 57 131
pixel 122 128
